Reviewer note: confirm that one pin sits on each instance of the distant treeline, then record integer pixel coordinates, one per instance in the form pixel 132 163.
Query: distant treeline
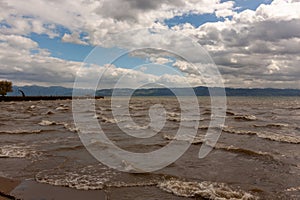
pixel 199 91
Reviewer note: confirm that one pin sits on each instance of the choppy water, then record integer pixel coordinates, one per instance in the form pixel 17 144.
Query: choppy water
pixel 257 155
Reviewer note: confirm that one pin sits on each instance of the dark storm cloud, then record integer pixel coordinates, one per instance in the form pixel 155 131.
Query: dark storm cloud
pixel 130 9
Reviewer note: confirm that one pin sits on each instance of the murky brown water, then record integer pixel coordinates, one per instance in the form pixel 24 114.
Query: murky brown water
pixel 257 154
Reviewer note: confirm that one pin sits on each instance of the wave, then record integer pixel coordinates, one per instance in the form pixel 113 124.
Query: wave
pixel 105 109
pixel 238 132
pixel 205 189
pixel 173 116
pixel 230 113
pixel 173 119
pixel 219 127
pixel 47 123
pixel 67 126
pixel 21 132
pixel 68 148
pixel 86 178
pixel 206 113
pixel 136 127
pixel 280 138
pixel 14 151
pixel 178 119
pixel 234 149
pixel 246 117
pixel 100 177
pixel 70 128
pixel 293 189
pixel 269 136
pixel 108 120
pixel 220 146
pixel 49 112
pixel 276 125
pixel 62 108
pixel 198 139
pixel 104 119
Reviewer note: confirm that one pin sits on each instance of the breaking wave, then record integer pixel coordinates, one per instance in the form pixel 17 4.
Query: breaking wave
pixel 87 178
pixel 14 151
pixel 100 177
pixel 198 139
pixel 220 146
pixel 246 117
pixel 276 125
pixel 67 126
pixel 136 127
pixel 264 135
pixel 104 119
pixel 205 189
pixel 20 131
pixel 234 149
pixel 62 108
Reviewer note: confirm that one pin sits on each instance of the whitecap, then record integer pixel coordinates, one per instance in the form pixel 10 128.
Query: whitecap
pixel 14 151
pixel 47 123
pixel 266 135
pixel 205 189
pixel 61 108
pixel 246 117
pixel 86 178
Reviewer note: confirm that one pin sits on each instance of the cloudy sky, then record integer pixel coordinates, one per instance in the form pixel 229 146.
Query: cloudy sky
pixel 167 42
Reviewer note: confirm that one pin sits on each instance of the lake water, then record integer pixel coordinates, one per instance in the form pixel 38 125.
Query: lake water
pixel 256 156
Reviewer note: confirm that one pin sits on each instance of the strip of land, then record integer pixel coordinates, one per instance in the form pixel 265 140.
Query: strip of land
pixel 44 98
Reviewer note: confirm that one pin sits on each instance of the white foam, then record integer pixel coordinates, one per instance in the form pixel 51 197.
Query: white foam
pixel 266 135
pixel 71 128
pixel 14 151
pixel 61 108
pixel 47 123
pixel 293 189
pixel 86 178
pixel 189 138
pixel 67 126
pixel 136 127
pixel 280 138
pixel 205 189
pixel 108 120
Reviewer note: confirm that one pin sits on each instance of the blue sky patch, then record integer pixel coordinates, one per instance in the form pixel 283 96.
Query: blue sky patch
pixel 194 19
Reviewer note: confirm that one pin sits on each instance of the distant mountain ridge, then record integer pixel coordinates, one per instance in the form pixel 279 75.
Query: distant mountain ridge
pixel 35 90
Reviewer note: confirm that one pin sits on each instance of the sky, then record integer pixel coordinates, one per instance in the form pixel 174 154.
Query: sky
pixel 133 43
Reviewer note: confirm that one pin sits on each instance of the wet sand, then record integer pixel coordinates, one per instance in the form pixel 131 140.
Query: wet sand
pixel 32 190
pixel 6 186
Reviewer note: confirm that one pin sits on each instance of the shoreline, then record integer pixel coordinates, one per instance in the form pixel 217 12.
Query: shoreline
pixel 44 98
pixel 6 187
pixel 30 189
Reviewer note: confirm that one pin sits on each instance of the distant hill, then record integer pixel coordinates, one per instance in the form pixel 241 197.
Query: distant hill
pixel 35 90
pixel 199 91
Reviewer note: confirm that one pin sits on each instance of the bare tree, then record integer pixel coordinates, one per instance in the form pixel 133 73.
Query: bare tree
pixel 5 87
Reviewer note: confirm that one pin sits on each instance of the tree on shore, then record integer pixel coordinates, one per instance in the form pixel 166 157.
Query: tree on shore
pixel 5 87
